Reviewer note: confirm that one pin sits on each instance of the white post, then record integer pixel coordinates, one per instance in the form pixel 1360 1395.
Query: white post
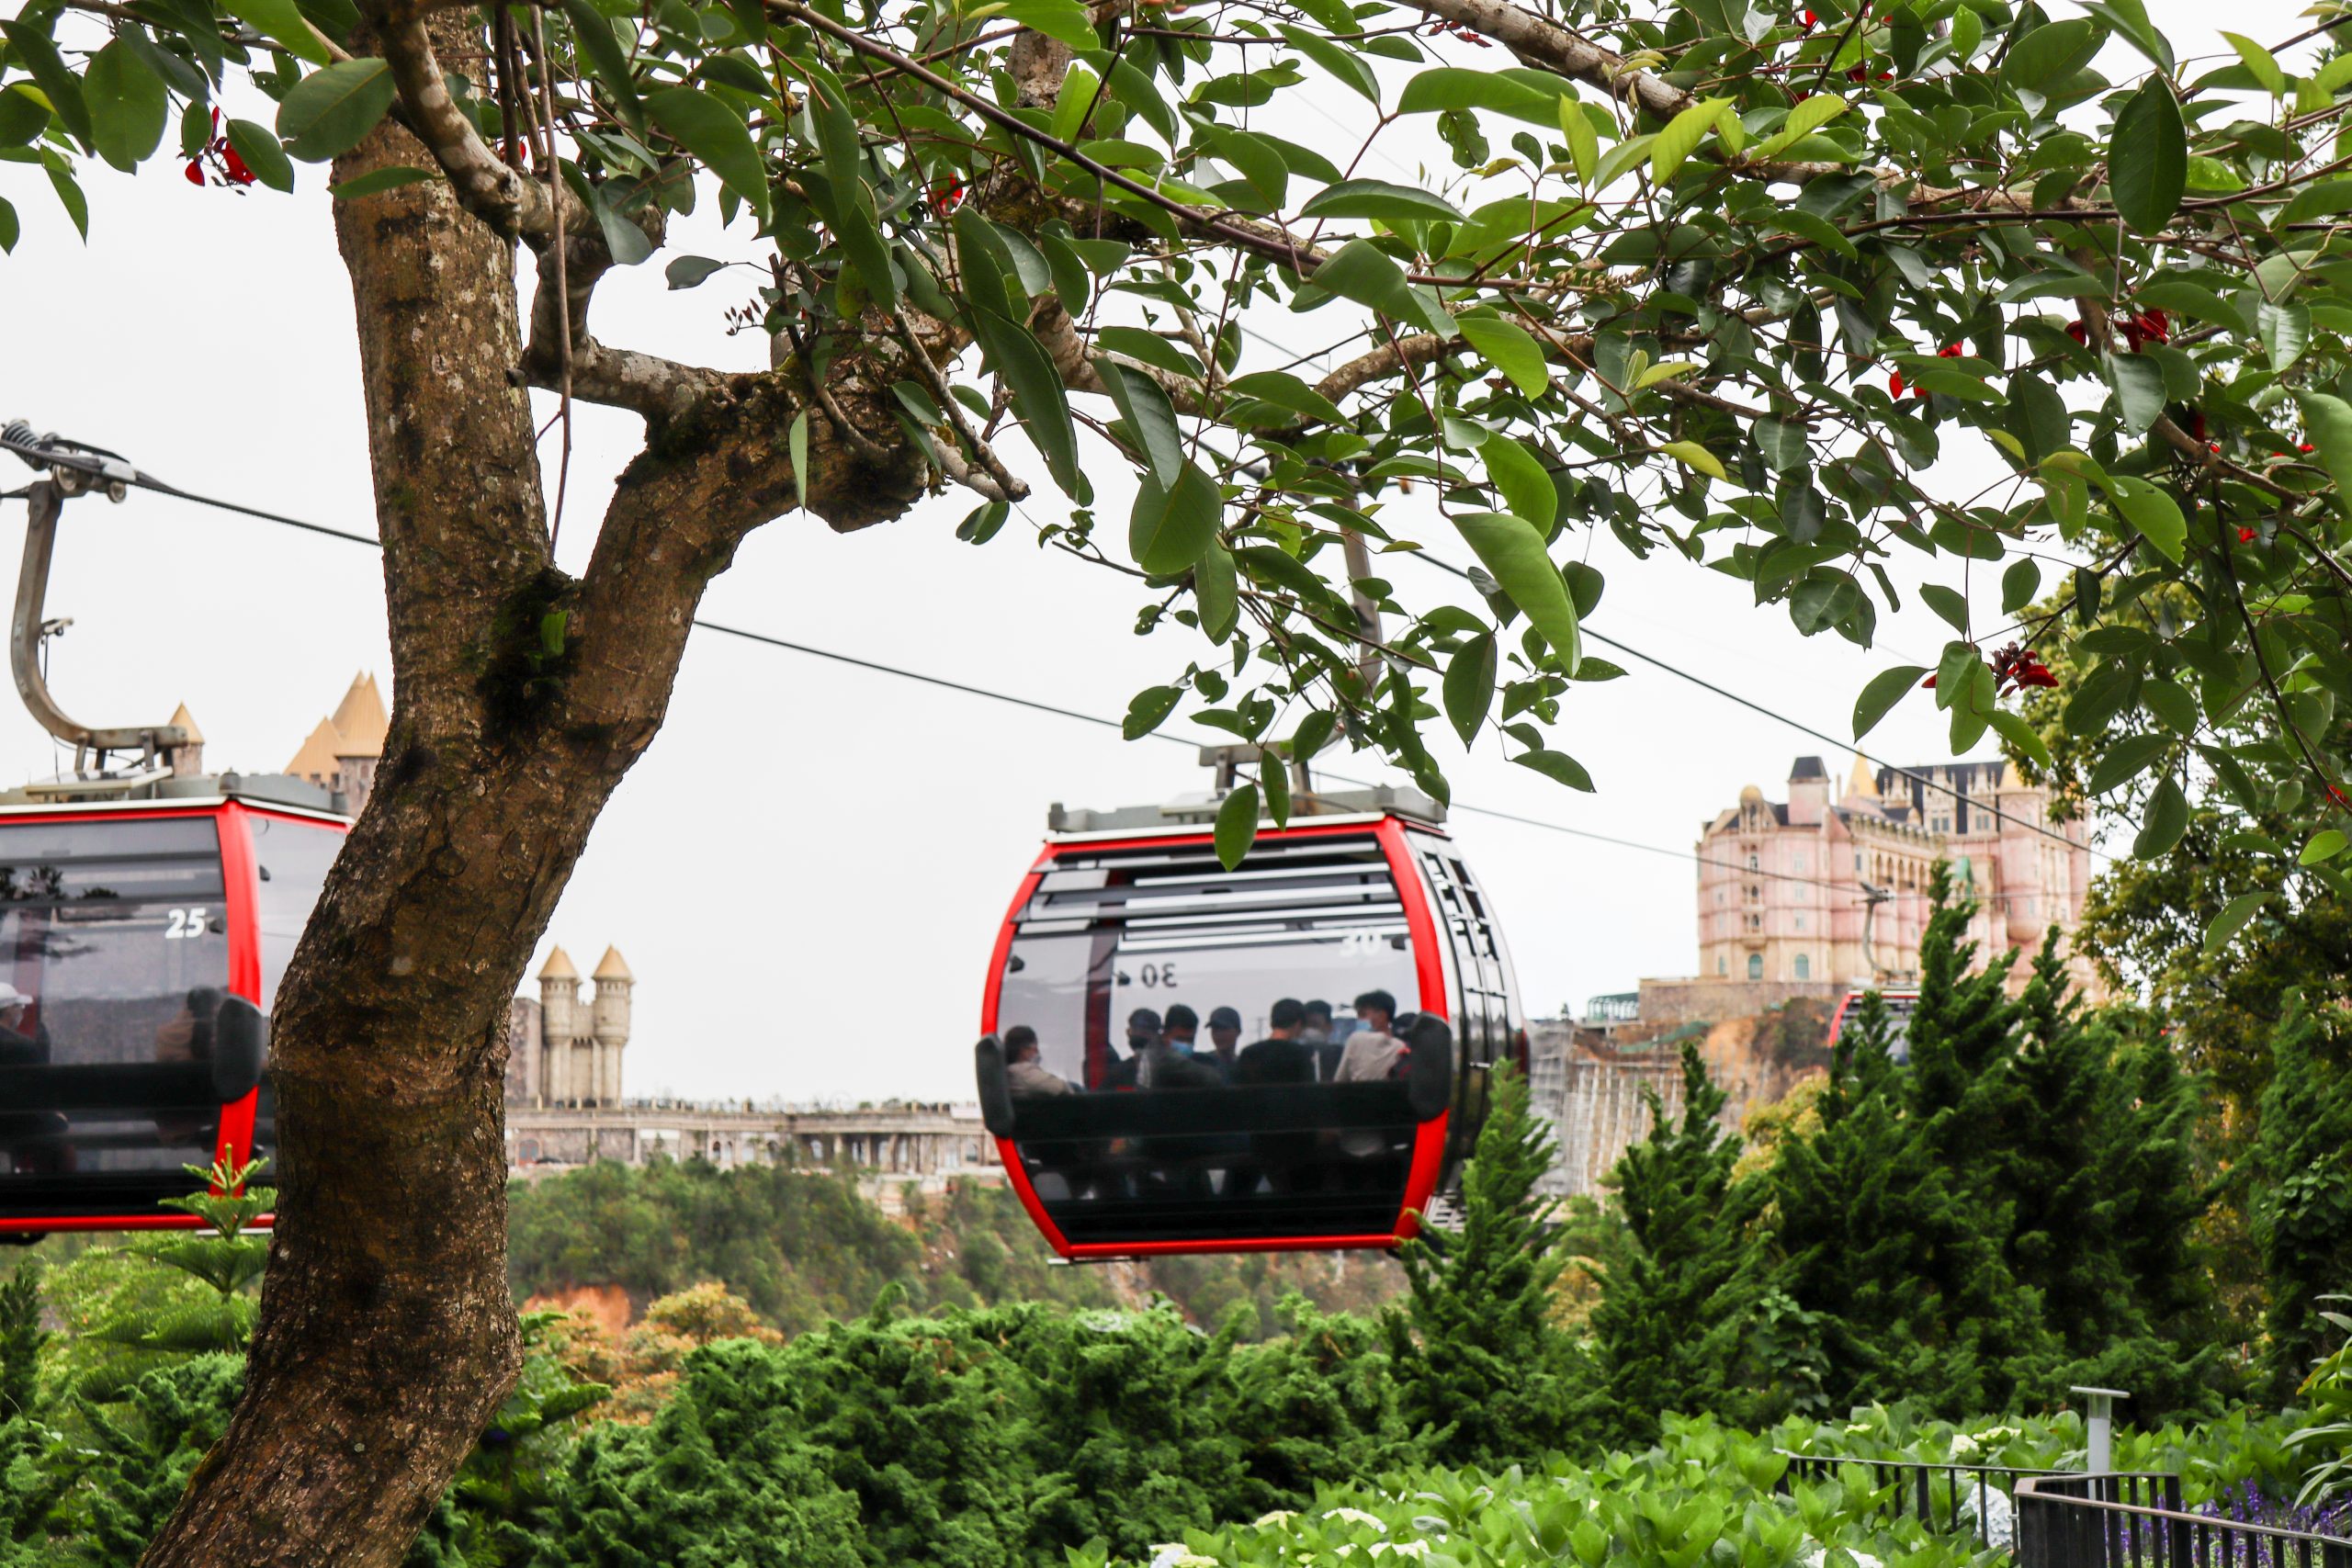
pixel 2099 1419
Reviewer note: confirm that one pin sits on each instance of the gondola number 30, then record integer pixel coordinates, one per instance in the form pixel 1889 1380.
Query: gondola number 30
pixel 1158 974
pixel 182 923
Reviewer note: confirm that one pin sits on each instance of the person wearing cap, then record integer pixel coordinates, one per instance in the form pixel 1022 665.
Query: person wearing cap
pixel 1286 1160
pixel 1225 1038
pixel 1143 1034
pixel 18 1049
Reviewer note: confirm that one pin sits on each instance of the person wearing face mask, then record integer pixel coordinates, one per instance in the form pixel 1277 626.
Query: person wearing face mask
pixel 1143 1034
pixel 1169 1062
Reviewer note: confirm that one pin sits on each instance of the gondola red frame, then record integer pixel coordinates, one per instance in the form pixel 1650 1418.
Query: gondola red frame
pixel 1427 1161
pixel 241 907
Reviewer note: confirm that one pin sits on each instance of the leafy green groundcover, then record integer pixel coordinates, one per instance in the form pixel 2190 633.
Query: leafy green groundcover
pixel 1705 1494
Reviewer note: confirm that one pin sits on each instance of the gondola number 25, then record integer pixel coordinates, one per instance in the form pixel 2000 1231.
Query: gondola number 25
pixel 179 924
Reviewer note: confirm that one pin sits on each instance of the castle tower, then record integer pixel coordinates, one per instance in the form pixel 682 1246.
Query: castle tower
pixel 611 1024
pixel 558 1025
pixel 189 760
pixel 361 725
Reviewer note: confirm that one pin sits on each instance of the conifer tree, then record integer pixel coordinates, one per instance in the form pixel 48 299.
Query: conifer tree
pixel 2303 1212
pixel 1672 1312
pixel 1899 1258
pixel 227 1259
pixel 1483 1369
pixel 20 1337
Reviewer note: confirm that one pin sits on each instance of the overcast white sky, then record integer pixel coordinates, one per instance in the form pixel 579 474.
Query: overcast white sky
pixel 807 871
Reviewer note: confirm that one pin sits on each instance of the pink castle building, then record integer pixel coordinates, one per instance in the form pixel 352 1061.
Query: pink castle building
pixel 1831 885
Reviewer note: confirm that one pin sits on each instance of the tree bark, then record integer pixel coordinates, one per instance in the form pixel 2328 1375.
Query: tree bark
pixel 387 1336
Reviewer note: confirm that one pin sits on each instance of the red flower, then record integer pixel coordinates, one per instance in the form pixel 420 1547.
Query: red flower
pixel 234 166
pixel 1948 351
pixel 196 174
pixel 945 199
pixel 1894 384
pixel 2306 446
pixel 1810 19
pixel 2246 536
pixel 2076 330
pixel 1929 684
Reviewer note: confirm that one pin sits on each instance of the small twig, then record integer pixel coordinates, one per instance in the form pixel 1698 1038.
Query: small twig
pixel 852 437
pixel 1010 487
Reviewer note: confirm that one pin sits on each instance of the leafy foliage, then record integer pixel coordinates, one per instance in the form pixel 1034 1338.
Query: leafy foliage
pixel 2117 298
pixel 1667 1334
pixel 1485 1368
pixel 2303 1216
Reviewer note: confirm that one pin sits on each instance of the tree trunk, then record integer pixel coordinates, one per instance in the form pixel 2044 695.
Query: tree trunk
pixel 387 1336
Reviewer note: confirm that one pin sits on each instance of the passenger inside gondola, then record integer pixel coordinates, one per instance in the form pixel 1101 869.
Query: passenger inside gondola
pixel 1028 1076
pixel 18 1048
pixel 1225 1039
pixel 1143 1034
pixel 1372 1053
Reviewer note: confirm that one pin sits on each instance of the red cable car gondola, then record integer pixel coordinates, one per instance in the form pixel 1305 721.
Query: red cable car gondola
pixel 146 918
pixel 1900 1005
pixel 1286 1144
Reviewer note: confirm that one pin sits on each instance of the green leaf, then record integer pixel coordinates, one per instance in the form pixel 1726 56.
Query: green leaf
pixel 1149 709
pixel 128 105
pixel 281 22
pixel 57 82
pixel 1510 348
pixel 1470 686
pixel 1885 689
pixel 2139 384
pixel 9 227
pixel 2051 53
pixel 2259 63
pixel 2328 420
pixel 1285 390
pixel 1360 271
pixel 2324 846
pixel 375 182
pixel 2171 702
pixel 2155 514
pixel 1171 528
pixel 1513 551
pixel 2147 169
pixel 2013 728
pixel 1808 117
pixel 1216 592
pixel 1947 603
pixel 1584 143
pixel 1038 396
pixel 2166 821
pixel 2232 918
pixel 851 204
pixel 2285 330
pixel 1443 88
pixel 1237 825
pixel 1557 766
pixel 2126 760
pixel 1691 455
pixel 2019 584
pixel 332 110
pixel 606 58
pixel 266 155
pixel 1524 484
pixel 707 128
pixel 1274 778
pixel 1338 59
pixel 1150 416
pixel 1682 135
pixel 798 451
pixel 1381 199
pixel 691 272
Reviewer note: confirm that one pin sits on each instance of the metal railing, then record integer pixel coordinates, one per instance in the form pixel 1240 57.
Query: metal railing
pixel 2074 1521
pixel 1952 1498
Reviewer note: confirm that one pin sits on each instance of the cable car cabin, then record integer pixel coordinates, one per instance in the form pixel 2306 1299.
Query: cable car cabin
pixel 1252 1141
pixel 142 944
pixel 1900 1005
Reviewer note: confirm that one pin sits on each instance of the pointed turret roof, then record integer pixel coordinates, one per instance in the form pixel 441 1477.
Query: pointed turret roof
pixel 316 760
pixel 183 719
pixel 360 719
pixel 559 966
pixel 612 966
pixel 1865 781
